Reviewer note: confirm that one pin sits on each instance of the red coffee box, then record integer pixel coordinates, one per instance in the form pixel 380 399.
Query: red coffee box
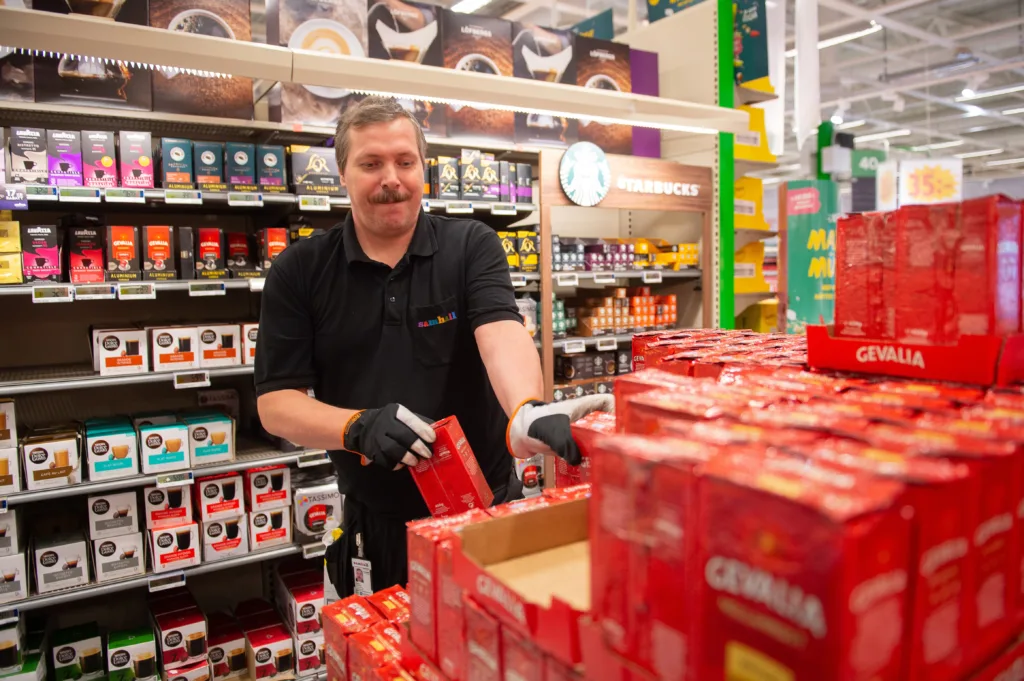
pixel 518 506
pixel 344 618
pixel 301 609
pixel 451 480
pixel 252 606
pixel 483 644
pixel 641 382
pixel 174 548
pixel 182 638
pixel 309 654
pixel 559 494
pixel 1009 666
pixel 584 431
pixel 218 496
pixel 854 312
pixel 645 413
pixel 368 650
pixel 805 582
pixel 391 608
pixel 227 648
pixel 269 653
pixel 415 661
pixel 260 620
pixel 556 671
pixel 987 272
pixel 521 660
pixel 197 671
pixel 268 487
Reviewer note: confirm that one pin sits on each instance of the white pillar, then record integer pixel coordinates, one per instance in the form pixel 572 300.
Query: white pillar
pixel 807 91
pixel 775 111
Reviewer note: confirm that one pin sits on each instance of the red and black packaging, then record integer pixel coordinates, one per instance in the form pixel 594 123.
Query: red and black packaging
pixel 158 253
pixel 273 241
pixel 123 254
pixel 987 279
pixel 240 260
pixel 186 253
pixel 210 254
pixel 85 253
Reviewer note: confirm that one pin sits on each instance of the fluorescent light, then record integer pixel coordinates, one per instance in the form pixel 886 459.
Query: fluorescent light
pixel 1010 112
pixel 837 119
pixel 852 124
pixel 938 145
pixel 992 93
pixel 976 154
pixel 1005 162
pixel 968 92
pixel 831 42
pixel 874 137
pixel 469 6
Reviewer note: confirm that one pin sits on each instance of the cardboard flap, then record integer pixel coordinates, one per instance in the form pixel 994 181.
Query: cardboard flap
pixel 501 539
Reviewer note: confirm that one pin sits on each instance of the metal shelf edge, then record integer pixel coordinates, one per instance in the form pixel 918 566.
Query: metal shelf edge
pixel 29 386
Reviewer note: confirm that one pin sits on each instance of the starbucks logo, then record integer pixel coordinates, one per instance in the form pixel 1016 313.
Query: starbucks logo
pixel 584 174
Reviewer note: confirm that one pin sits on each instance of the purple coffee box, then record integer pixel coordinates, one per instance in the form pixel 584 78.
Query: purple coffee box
pixel 40 251
pixel 64 158
pixel 99 158
pixel 136 159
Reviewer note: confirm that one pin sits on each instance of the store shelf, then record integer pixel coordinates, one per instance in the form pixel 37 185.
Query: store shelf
pixel 77 377
pixel 251 456
pixel 745 96
pixel 569 279
pixel 745 300
pixel 159 286
pixel 93 590
pixel 745 236
pixel 610 342
pixel 746 167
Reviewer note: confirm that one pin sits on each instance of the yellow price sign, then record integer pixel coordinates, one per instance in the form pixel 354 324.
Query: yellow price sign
pixel 930 181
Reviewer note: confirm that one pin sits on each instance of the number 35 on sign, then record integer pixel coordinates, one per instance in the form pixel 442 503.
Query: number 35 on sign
pixel 929 181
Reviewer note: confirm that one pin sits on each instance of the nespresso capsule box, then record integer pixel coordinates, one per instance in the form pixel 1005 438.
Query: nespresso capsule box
pixel 176 163
pixel 446 178
pixel 158 253
pixel 210 254
pixel 186 253
pixel 480 45
pixel 64 158
pixel 28 156
pixel 136 152
pixel 40 249
pixel 240 261
pixel 270 168
pixel 240 166
pixel 123 253
pixel 99 158
pixel 315 170
pixel 85 249
pixel 208 158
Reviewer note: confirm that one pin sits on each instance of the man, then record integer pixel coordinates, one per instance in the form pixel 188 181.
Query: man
pixel 394 319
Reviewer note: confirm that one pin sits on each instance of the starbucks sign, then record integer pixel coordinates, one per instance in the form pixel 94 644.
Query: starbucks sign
pixel 584 174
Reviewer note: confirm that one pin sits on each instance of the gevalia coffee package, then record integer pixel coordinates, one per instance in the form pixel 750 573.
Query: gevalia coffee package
pixel 314 170
pixel 480 45
pixel 241 259
pixel 483 643
pixel 135 150
pixel 926 238
pixel 40 253
pixel 210 255
pixel 99 159
pixel 548 55
pixel 451 480
pixel 604 65
pixel 27 156
pixel 123 253
pixel 85 254
pixel 272 242
pixel 987 280
pixel 158 253
pixel 64 158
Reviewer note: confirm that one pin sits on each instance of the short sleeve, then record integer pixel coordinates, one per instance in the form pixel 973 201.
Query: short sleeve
pixel 284 349
pixel 489 293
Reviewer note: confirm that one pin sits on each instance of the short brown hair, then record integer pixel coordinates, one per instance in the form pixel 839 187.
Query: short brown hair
pixel 373 109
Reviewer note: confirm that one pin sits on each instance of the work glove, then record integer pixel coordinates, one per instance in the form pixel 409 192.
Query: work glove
pixel 390 436
pixel 540 428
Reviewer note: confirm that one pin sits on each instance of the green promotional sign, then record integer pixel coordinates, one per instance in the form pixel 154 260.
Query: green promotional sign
pixel 750 40
pixel 659 9
pixel 865 162
pixel 812 207
pixel 600 26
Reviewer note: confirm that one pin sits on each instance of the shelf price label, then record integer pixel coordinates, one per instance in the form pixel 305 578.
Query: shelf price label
pixel 191 379
pixel 245 199
pixel 121 195
pixel 316 550
pixel 310 459
pixel 198 289
pixel 185 197
pixel 3 504
pixel 128 291
pixel 95 292
pixel 458 207
pixel 518 280
pixel 41 193
pixel 651 277
pixel 605 344
pixel 574 347
pixel 256 284
pixel 176 479
pixel 170 580
pixel 12 616
pixel 604 278
pixel 315 203
pixel 567 279
pixel 53 294
pixel 79 194
pixel 12 197
pixel 503 209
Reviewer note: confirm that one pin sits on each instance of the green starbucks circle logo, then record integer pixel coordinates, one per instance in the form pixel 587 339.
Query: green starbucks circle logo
pixel 584 174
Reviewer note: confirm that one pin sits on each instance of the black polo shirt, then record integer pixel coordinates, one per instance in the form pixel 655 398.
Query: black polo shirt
pixel 362 335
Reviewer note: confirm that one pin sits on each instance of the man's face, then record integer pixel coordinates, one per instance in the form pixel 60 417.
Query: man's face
pixel 384 176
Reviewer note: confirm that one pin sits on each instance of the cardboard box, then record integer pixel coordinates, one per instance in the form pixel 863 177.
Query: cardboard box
pixel 241 260
pixel 51 460
pixel 250 334
pixel 316 507
pixel 78 653
pixel 309 654
pixel 210 258
pixel 451 480
pixel 219 497
pixel 164 448
pixel 10 471
pixel 447 180
pixel 174 548
pixel 168 507
pixel 520 658
pixel 61 561
pixel 27 156
pixel 925 237
pixel 220 346
pixel 483 643
pixel 270 528
pixel 158 253
pixel 176 163
pixel 225 538
pixel 113 515
pixel 186 253
pixel 270 172
pixel 123 254
pixel 273 241
pixel 117 352
pixel 10 237
pixel 269 653
pixel 64 158
pixel 481 45
pixel 987 280
pixel 528 245
pixel 227 650
pixel 136 154
pixel 268 487
pixel 11 268
pixel 208 159
pixel 200 671
pixel 131 655
pixel 315 170
pixel 33 668
pixel 240 166
pixel 301 605
pixel 392 603
pixel 182 638
pixel 99 158
pixel 86 246
pixel 40 245
pixel 11 533
pixel 118 557
pixel 175 348
pixel 8 427
pixel 14 586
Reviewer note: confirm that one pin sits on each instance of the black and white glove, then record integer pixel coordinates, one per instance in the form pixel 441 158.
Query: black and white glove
pixel 390 436
pixel 540 428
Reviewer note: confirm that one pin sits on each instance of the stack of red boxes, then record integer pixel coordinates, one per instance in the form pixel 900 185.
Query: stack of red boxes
pixel 361 637
pixel 299 593
pixel 451 481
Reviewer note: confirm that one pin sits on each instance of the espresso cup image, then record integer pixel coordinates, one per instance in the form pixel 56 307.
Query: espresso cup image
pixel 601 82
pixel 137 172
pixel 326 35
pixel 236 659
pixel 284 661
pixel 548 68
pixel 276 519
pixel 228 488
pixel 87 262
pixel 144 665
pixel 184 539
pixel 5 463
pixel 119 452
pixel 60 458
pixel 411 46
pixel 478 63
pixel 185 344
pixel 217 437
pixel 64 166
pixel 277 481
pixel 29 165
pixel 227 340
pixel 41 262
pixel 3 530
pixel 71 563
pixel 129 552
pixel 131 347
pixel 99 174
pixel 122 512
pixel 173 444
pixel 11 575
pixel 231 529
pixel 195 644
pixel 91 661
pixel 174 495
pixel 8 654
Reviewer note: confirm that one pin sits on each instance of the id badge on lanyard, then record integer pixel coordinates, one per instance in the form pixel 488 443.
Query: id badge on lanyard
pixel 361 570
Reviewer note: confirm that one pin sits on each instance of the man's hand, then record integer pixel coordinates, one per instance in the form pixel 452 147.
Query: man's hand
pixel 389 436
pixel 539 428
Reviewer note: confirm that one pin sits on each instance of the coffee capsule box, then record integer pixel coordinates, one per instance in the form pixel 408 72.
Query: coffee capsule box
pixel 33 668
pixel 174 548
pixel 10 471
pixel 268 487
pixel 167 507
pixel 241 261
pixel 226 538
pixel 210 256
pixel 11 269
pixel 64 158
pixel 10 235
pixel 174 348
pixel 136 152
pixel 227 649
pixel 123 253
pixel 315 170
pixel 217 497
pixel 99 159
pixel 158 253
pixel 309 654
pixel 51 460
pixel 316 507
pixel 240 166
pixel 61 561
pixel 272 241
pixel 176 163
pixel 209 165
pixel 119 352
pixel 131 656
pixel 301 605
pixel 27 156
pixel 269 653
pixel 11 533
pixel 119 557
pixel 78 653
pixel 186 648
pixel 111 450
pixel 154 418
pixel 163 448
pixel 250 334
pixel 13 578
pixel 270 528
pixel 219 346
pixel 8 428
pixel 186 253
pixel 40 249
pixel 112 515
pixel 270 168
pixel 211 438
pixel 86 249
pixel 12 647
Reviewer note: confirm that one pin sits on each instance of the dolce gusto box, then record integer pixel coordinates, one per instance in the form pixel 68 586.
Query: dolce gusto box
pixel 99 159
pixel 269 653
pixel 268 487
pixel 173 548
pixel 227 650
pixel 250 334
pixel 118 352
pixel 131 656
pixel 270 528
pixel 111 515
pixel 11 534
pixel 14 585
pixel 211 438
pixel 481 45
pixel 544 54
pixel 174 348
pixel 117 557
pixel 61 561
pixel 136 152
pixel 51 460
pixel 220 346
pixel 77 653
pixel 218 497
pixel 604 65
pixel 225 538
pixel 111 450
pixel 167 507
pixel 163 447
pixel 182 638
pixel 331 26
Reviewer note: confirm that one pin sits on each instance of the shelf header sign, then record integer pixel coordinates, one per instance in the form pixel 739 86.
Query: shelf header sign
pixel 600 26
pixel 931 180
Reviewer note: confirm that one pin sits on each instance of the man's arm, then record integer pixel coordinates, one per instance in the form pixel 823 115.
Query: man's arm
pixel 299 418
pixel 512 363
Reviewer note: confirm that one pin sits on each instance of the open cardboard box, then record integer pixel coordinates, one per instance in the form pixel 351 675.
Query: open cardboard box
pixel 532 571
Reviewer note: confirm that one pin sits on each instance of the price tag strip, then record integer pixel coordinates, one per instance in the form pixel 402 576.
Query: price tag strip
pixel 53 294
pixel 186 197
pixel 79 194
pixel 207 288
pixel 3 504
pixel 518 280
pixel 314 550
pixel 36 192
pixel 245 199
pixel 95 292
pixel 567 279
pixel 574 347
pixel 316 203
pixel 652 277
pixel 605 344
pixel 191 379
pixel 130 291
pixel 604 278
pixel 119 195
pixel 458 207
pixel 503 209
pixel 256 284
pixel 171 580
pixel 11 616
pixel 310 459
pixel 177 479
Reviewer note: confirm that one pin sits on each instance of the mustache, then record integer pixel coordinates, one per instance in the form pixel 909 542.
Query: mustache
pixel 388 195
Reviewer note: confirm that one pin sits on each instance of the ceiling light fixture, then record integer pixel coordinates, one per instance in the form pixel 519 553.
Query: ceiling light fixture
pixel 967 92
pixel 469 6
pixel 976 154
pixel 938 145
pixel 992 93
pixel 1005 162
pixel 852 124
pixel 831 42
pixel 876 136
pixel 1010 112
pixel 974 81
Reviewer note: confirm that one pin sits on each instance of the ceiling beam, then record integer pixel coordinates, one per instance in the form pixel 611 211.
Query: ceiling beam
pixel 840 25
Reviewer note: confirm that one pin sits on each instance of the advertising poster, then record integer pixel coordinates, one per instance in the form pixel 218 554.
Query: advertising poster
pixel 750 41
pixel 659 9
pixel 812 207
pixel 600 26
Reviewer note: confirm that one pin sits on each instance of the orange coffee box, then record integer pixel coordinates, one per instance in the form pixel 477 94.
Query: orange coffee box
pixel 802 577
pixel 584 431
pixel 369 650
pixel 451 480
pixel 342 619
pixel 925 237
